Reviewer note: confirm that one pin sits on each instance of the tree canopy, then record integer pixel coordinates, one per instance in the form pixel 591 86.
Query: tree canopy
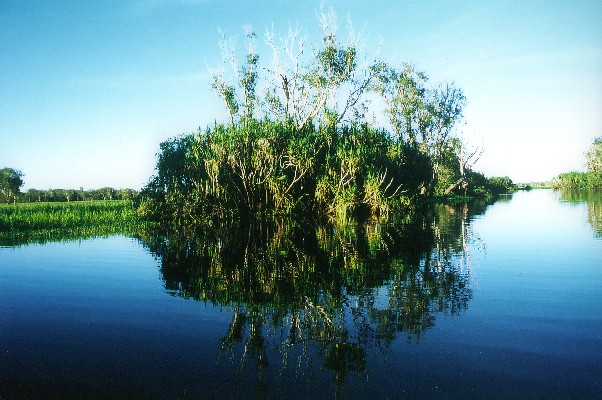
pixel 11 181
pixel 594 157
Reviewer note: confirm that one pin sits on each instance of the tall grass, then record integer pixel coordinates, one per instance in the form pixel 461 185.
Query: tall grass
pixel 73 219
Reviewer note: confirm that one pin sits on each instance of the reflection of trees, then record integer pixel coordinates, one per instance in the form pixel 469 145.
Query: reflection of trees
pixel 593 199
pixel 22 238
pixel 333 291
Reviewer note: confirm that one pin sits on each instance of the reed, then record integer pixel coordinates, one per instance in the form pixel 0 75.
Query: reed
pixel 56 219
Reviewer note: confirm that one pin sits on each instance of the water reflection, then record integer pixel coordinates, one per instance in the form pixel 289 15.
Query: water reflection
pixel 593 199
pixel 326 293
pixel 24 238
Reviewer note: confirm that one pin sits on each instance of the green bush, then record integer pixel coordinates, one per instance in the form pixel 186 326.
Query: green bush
pixel 499 185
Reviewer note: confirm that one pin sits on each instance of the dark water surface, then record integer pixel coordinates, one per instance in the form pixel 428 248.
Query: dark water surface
pixel 503 301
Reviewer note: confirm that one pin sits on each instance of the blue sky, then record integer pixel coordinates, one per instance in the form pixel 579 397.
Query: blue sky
pixel 88 89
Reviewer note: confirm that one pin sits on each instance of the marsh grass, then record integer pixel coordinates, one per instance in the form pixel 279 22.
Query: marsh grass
pixel 54 221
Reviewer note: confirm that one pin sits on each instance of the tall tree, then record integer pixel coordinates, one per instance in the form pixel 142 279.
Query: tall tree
pixel 420 116
pixel 444 106
pixel 403 91
pixel 10 183
pixel 594 156
pixel 326 86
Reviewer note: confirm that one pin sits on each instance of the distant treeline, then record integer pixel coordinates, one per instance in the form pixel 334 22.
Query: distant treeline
pixel 60 195
pixel 11 181
pixel 592 179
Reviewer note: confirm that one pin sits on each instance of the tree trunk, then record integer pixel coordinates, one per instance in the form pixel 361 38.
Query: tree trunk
pixel 453 186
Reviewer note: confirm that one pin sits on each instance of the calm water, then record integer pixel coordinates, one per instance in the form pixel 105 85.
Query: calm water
pixel 503 301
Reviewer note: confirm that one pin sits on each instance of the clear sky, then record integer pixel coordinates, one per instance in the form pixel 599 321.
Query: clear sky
pixel 88 89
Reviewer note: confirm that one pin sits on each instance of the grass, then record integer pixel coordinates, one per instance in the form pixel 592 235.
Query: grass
pixel 42 221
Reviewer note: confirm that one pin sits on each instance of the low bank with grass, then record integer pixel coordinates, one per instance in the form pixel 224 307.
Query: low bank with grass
pixel 68 219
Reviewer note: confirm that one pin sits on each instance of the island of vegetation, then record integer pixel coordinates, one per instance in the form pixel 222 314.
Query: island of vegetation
pixel 317 131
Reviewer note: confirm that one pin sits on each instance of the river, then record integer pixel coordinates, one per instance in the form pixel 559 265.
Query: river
pixel 500 301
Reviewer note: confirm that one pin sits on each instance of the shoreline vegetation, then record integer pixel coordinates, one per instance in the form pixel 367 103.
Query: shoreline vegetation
pixel 47 221
pixel 592 178
pixel 263 168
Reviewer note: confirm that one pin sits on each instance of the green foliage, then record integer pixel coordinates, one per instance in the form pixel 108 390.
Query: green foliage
pixel 10 184
pixel 595 180
pixel 499 185
pixel 298 141
pixel 594 157
pixel 579 180
pixel 273 167
pixel 404 92
pixel 44 220
pixel 592 179
pixel 61 195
